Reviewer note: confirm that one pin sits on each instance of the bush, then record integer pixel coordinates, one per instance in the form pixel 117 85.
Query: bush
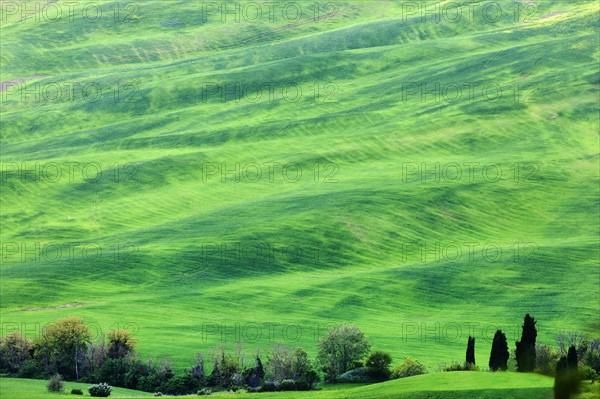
pixel 31 369
pixel 408 368
pixel 287 385
pixel 587 373
pixel 76 391
pixel 378 365
pixel 205 392
pixel 55 384
pixel 158 394
pixel 181 385
pixel 101 390
pixel 457 366
pixel 592 359
pixel 546 360
pixel 359 375
pixel 268 386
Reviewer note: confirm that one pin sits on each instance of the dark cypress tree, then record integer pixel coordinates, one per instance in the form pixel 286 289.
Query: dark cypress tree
pixel 471 351
pixel 499 354
pixel 572 358
pixel 260 371
pixel 256 375
pixel 215 375
pixel 525 353
pixel 561 389
pixel 566 382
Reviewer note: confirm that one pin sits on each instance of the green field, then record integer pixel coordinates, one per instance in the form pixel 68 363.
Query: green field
pixel 449 385
pixel 16 388
pixel 138 246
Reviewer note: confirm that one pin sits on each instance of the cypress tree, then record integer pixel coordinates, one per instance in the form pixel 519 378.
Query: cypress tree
pixel 260 371
pixel 566 382
pixel 525 353
pixel 572 358
pixel 471 351
pixel 499 353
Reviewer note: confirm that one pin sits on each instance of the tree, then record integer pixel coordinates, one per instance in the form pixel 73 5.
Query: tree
pixel 525 351
pixel 255 376
pixel 378 365
pixel 67 341
pixel 341 349
pixel 55 384
pixel 408 368
pixel 471 351
pixel 572 358
pixel 15 350
pixel 499 353
pixel 120 344
pixel 280 364
pixel 197 370
pixel 566 382
pixel 546 359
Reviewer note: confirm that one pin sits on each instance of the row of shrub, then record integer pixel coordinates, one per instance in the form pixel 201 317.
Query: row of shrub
pixel 344 355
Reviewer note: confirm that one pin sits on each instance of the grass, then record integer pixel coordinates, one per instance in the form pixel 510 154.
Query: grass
pixel 158 217
pixel 443 385
pixel 16 388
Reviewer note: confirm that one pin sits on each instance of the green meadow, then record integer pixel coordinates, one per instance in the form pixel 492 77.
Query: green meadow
pixel 450 385
pixel 203 182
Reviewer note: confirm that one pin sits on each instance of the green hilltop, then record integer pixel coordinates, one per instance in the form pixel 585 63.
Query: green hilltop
pixel 421 179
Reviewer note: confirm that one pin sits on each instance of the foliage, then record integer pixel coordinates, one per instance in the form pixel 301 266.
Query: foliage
pixel 470 356
pixel 15 350
pixel 76 391
pixel 340 349
pixel 457 366
pixel 587 373
pixel 499 354
pixel 55 384
pixel 592 356
pixel 546 360
pixel 378 365
pixel 101 390
pixel 181 385
pixel 408 368
pixel 567 380
pixel 525 348
pixel 120 344
pixel 358 375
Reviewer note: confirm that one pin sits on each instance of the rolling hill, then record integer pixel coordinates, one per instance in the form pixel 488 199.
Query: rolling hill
pixel 203 181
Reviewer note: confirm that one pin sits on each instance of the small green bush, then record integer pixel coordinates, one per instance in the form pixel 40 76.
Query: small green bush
pixel 358 375
pixel 378 365
pixel 457 366
pixel 55 384
pixel 587 373
pixel 101 390
pixel 287 385
pixel 408 368
pixel 76 391
pixel 268 386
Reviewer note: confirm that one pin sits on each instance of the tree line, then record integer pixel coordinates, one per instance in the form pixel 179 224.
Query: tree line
pixel 344 354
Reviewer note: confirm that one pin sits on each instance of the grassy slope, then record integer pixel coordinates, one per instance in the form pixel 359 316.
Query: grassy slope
pixel 169 293
pixel 447 385
pixel 16 388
